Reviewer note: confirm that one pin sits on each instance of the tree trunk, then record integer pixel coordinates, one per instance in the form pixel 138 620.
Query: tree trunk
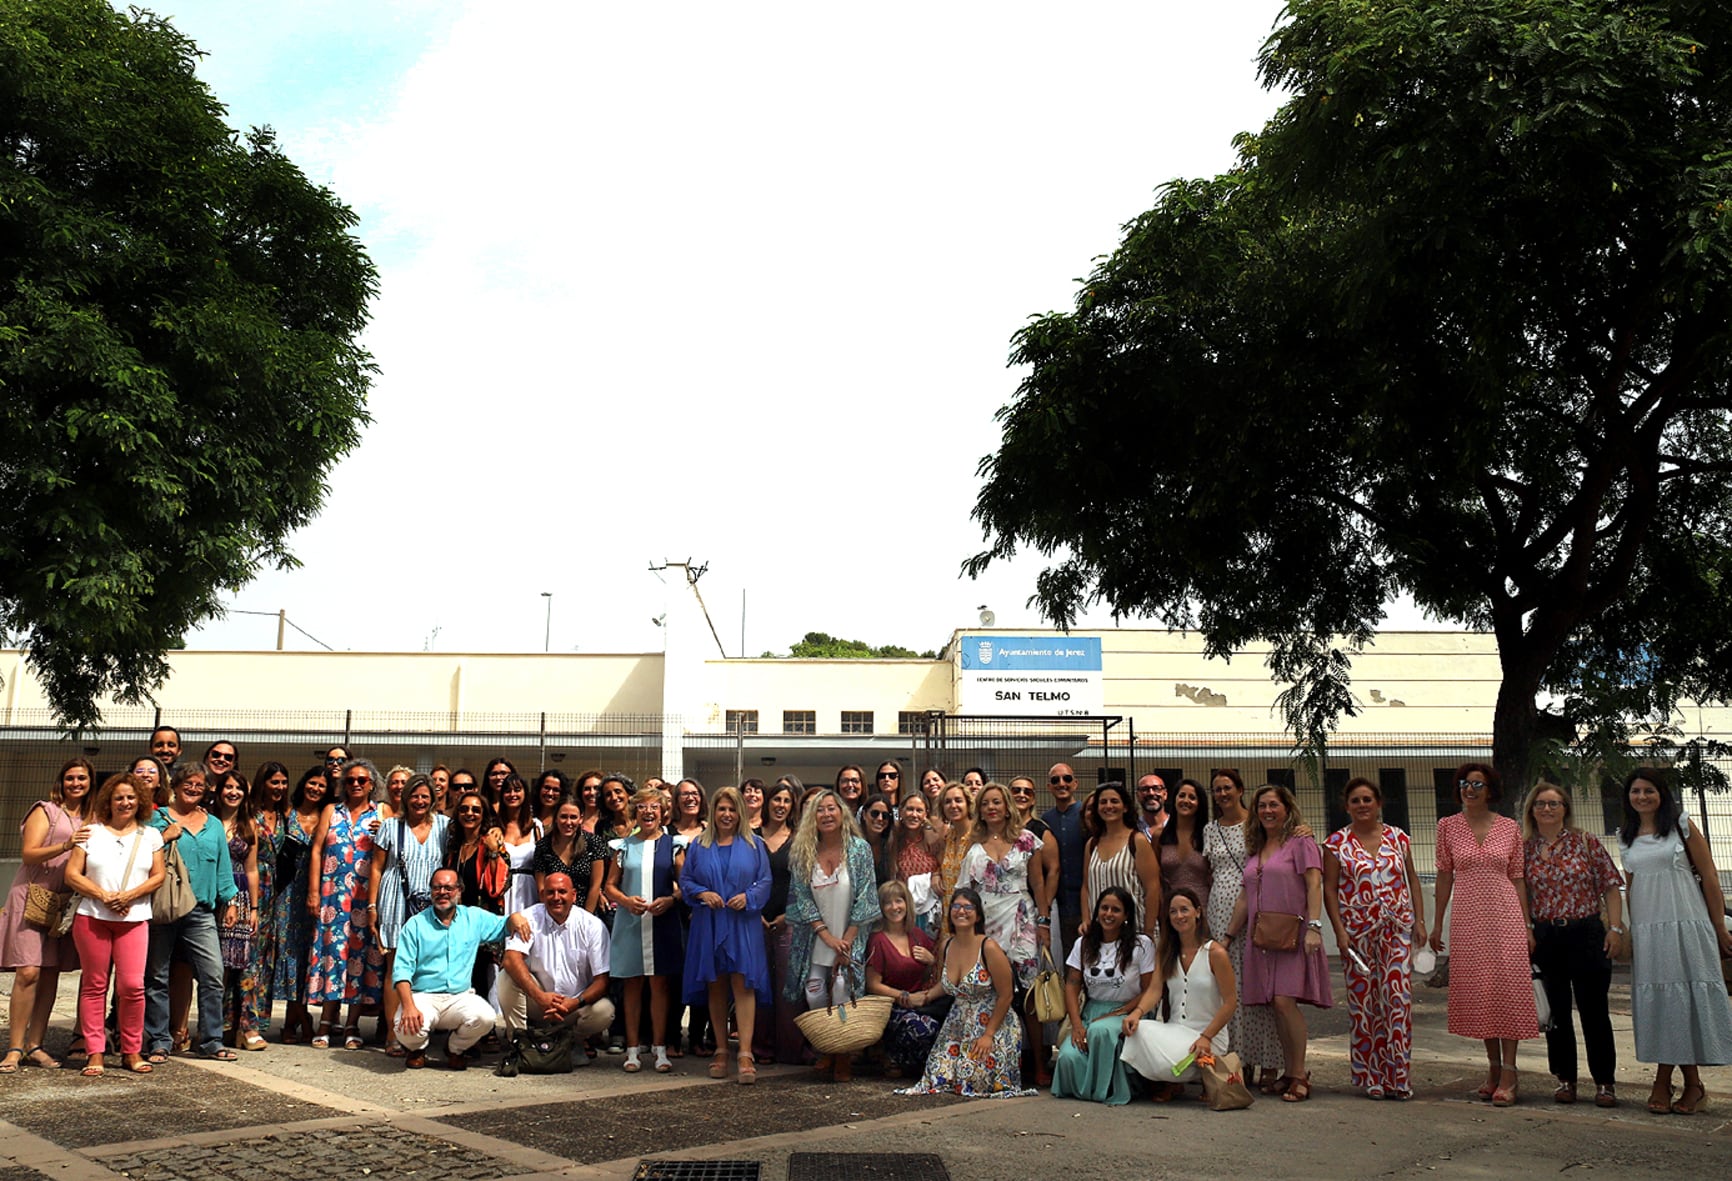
pixel 1516 724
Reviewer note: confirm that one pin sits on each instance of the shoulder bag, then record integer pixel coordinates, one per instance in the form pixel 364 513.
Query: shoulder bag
pixel 174 899
pixel 1046 994
pixel 1274 931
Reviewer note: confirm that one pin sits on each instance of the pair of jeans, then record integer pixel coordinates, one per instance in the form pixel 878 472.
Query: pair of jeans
pixel 194 939
pixel 1572 962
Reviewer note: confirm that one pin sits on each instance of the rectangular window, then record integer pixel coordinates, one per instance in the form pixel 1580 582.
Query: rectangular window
pixel 1334 783
pixel 1443 789
pixel 1280 775
pixel 856 721
pixel 742 721
pixel 799 721
pixel 910 721
pixel 1393 781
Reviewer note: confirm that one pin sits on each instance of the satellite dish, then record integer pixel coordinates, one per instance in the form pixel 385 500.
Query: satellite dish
pixel 987 618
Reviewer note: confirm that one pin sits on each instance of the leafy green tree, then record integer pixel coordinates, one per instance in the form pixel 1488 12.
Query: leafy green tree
pixel 179 367
pixel 820 646
pixel 1455 325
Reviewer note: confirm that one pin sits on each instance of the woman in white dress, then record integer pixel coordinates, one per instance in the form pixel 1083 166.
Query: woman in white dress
pixel 1190 1002
pixel 522 830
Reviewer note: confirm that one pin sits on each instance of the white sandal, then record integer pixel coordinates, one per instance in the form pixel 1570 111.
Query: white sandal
pixel 631 1065
pixel 663 1066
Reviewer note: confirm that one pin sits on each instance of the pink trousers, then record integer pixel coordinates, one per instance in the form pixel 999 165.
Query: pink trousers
pixel 102 943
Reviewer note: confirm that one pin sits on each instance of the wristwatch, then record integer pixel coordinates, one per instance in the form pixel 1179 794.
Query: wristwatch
pixel 1616 930
pixel 1314 924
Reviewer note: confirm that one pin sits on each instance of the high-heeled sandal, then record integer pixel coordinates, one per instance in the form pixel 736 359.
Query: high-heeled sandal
pixel 1507 1096
pixel 746 1073
pixel 1276 1086
pixel 1688 1106
pixel 322 1039
pixel 1660 1099
pixel 719 1066
pixel 182 1042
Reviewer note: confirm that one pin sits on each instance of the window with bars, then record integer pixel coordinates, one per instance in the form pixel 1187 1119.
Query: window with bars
pixel 910 721
pixel 799 721
pixel 742 721
pixel 856 721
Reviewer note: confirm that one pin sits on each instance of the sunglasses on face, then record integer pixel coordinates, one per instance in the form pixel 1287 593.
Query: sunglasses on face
pixel 356 781
pixel 1471 784
pixel 1058 779
pixel 889 774
pixel 877 814
pixel 221 756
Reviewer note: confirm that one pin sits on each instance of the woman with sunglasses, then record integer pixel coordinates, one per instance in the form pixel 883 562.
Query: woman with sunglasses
pixel 978 1051
pixel 1570 879
pixel 152 775
pixel 345 964
pixel 876 816
pixel 690 816
pixel 1112 964
pixel 888 781
pixel 915 853
pixel 1481 870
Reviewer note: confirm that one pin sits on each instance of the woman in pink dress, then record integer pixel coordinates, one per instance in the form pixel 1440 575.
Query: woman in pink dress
pixel 1480 863
pixel 1283 876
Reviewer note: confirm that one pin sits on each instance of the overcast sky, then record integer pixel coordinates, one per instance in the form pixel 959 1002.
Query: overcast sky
pixel 728 281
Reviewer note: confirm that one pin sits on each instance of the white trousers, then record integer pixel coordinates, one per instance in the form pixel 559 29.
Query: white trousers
pixel 585 1022
pixel 469 1017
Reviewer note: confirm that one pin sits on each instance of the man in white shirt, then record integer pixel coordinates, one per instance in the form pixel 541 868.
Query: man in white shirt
pixel 558 976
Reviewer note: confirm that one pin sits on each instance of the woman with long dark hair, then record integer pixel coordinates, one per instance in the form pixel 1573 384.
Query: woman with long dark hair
pixel 293 919
pixel 1678 934
pixel 269 806
pixel 52 829
pixel 1116 854
pixel 568 849
pixel 1112 964
pixel 1180 845
pixel 778 1038
pixel 239 938
pixel 344 963
pixel 1188 1007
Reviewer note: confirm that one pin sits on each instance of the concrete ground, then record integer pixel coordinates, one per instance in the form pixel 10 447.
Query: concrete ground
pixel 295 1114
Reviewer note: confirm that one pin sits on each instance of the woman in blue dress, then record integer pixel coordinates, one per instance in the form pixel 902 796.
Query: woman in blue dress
pixel 410 846
pixel 643 885
pixel 726 881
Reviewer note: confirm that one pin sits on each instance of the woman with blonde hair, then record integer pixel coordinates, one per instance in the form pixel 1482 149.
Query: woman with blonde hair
pixel 1570 878
pixel 726 881
pixel 1284 965
pixel 955 821
pixel 997 865
pixel 833 900
pixel 646 929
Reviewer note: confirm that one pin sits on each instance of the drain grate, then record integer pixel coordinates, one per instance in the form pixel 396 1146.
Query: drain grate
pixel 866 1166
pixel 696 1170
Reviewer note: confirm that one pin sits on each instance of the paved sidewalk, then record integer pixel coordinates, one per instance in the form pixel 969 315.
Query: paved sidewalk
pixel 292 1113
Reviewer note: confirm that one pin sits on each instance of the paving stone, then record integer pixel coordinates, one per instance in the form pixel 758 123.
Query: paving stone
pixel 691 1117
pixel 363 1153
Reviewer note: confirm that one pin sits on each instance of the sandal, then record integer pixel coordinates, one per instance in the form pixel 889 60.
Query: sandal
pixel 92 1068
pixel 663 1066
pixel 7 1066
pixel 38 1057
pixel 1566 1093
pixel 396 1050
pixel 322 1039
pixel 1688 1106
pixel 157 1057
pixel 1660 1099
pixel 1606 1096
pixel 352 1038
pixel 137 1065
pixel 1507 1096
pixel 221 1054
pixel 182 1042
pixel 719 1066
pixel 1276 1086
pixel 747 1070
pixel 1298 1091
pixel 631 1065
pixel 252 1041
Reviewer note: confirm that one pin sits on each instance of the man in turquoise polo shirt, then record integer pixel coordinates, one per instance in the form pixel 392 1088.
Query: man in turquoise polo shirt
pixel 435 956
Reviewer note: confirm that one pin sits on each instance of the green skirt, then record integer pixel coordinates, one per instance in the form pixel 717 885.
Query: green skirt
pixel 1096 1074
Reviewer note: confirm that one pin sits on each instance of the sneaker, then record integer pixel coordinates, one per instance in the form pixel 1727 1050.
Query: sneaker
pixel 616 1044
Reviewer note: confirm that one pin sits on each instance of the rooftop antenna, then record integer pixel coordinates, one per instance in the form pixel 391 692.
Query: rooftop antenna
pixel 693 573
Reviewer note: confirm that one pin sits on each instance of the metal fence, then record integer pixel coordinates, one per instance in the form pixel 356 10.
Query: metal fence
pixel 1415 771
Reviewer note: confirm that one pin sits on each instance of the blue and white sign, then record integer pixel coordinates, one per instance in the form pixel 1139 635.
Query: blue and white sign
pixel 1032 676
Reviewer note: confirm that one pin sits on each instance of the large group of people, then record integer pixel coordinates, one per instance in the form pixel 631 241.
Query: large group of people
pixel 649 921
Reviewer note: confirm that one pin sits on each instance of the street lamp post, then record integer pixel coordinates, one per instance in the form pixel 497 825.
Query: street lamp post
pixel 547 636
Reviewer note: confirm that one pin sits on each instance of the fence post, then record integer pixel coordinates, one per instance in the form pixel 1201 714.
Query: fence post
pixel 348 728
pixel 543 752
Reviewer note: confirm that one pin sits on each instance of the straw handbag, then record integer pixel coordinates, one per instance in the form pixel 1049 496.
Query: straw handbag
pixel 847 1027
